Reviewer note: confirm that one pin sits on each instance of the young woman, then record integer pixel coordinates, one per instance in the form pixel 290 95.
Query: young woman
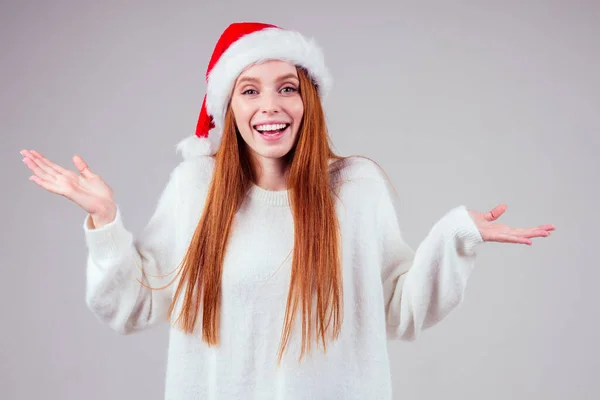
pixel 280 265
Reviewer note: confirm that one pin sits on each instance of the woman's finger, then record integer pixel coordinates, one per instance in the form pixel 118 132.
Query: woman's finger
pixel 44 167
pixel 48 185
pixel 495 212
pixel 36 169
pixel 528 232
pixel 534 233
pixel 507 238
pixel 57 168
pixel 82 167
pixel 547 227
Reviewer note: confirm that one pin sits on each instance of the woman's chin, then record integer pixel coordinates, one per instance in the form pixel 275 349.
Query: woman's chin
pixel 272 152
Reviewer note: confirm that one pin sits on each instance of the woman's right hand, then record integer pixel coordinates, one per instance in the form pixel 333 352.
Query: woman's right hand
pixel 85 189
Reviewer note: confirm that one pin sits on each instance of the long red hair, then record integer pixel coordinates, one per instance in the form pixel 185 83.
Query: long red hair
pixel 316 274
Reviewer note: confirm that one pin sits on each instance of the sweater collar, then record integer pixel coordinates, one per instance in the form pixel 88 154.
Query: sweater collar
pixel 279 198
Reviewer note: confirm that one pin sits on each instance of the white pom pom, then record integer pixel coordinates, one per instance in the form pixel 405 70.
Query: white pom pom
pixel 194 146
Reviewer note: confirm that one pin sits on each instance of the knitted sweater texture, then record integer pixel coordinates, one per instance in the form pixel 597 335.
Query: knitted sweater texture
pixel 389 290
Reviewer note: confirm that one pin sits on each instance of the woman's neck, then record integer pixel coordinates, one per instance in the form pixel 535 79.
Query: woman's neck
pixel 272 174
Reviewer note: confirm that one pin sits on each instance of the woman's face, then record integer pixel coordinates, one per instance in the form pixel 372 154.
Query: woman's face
pixel 267 108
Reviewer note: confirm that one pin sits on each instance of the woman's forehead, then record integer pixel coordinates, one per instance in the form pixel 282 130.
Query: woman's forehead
pixel 270 70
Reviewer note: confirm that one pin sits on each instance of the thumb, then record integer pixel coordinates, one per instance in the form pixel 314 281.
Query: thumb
pixel 495 213
pixel 82 167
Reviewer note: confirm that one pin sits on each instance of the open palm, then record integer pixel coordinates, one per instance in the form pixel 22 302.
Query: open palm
pixel 85 189
pixel 494 232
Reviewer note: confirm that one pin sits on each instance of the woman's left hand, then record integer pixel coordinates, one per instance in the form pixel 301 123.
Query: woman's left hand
pixel 495 232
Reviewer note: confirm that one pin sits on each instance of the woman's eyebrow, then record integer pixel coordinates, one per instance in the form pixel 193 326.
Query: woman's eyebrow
pixel 251 79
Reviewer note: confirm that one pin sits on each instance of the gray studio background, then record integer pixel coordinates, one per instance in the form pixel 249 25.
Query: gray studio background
pixel 472 103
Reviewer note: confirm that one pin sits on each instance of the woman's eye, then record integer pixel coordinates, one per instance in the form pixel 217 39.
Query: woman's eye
pixel 249 91
pixel 289 89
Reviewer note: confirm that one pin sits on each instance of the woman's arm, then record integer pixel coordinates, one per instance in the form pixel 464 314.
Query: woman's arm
pixel 422 287
pixel 117 263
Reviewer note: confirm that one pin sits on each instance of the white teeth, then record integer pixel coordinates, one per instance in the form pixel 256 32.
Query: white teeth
pixel 271 127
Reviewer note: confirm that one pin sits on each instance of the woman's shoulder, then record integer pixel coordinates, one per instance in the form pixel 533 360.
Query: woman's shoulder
pixel 358 169
pixel 362 185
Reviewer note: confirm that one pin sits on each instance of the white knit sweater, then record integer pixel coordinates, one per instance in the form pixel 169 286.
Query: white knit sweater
pixel 390 292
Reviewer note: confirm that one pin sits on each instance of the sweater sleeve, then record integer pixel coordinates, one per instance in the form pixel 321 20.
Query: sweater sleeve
pixel 422 287
pixel 117 262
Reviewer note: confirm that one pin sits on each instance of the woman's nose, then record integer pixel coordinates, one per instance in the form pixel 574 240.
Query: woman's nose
pixel 269 103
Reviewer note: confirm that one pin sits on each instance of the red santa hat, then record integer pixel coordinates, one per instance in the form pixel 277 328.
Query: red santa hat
pixel 243 44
